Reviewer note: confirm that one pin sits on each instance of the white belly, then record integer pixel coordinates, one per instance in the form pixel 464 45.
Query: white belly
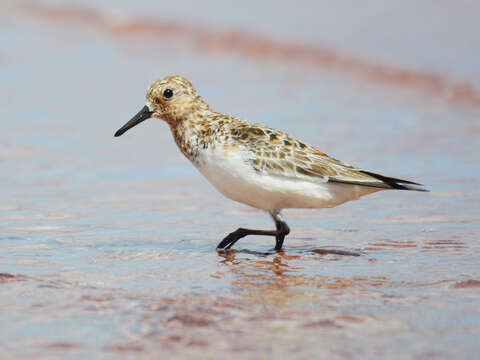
pixel 237 180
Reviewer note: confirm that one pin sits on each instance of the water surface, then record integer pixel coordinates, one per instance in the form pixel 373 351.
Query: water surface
pixel 107 246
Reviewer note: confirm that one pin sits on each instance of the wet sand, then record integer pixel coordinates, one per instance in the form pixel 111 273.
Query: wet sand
pixel 107 246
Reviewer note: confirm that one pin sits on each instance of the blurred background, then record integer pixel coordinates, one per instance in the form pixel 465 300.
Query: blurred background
pixel 107 245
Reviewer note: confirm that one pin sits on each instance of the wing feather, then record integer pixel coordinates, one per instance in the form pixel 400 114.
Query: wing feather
pixel 276 153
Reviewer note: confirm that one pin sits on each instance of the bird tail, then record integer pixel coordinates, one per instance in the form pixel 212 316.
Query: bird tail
pixel 397 184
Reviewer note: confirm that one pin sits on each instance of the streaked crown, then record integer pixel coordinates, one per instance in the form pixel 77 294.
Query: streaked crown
pixel 173 98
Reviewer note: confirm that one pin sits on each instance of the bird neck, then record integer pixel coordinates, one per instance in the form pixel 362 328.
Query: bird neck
pixel 193 132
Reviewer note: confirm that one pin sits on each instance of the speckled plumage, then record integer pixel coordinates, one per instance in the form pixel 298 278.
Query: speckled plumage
pixel 254 164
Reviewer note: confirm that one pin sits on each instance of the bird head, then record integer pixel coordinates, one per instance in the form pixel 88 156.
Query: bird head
pixel 171 99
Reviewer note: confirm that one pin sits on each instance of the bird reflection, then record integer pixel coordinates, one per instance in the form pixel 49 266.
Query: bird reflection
pixel 279 269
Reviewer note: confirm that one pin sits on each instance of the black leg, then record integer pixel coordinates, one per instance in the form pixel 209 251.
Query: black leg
pixel 233 237
pixel 281 231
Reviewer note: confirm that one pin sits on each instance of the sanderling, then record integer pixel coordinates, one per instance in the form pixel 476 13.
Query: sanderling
pixel 254 164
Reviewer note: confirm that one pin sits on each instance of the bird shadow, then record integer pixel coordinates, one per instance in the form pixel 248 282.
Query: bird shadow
pixel 288 251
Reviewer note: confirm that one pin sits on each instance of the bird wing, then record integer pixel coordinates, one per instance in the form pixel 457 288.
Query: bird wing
pixel 276 153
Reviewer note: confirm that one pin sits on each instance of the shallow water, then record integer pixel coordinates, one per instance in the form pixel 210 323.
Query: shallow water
pixel 107 246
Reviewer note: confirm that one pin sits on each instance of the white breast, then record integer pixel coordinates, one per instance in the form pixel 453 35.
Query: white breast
pixel 230 172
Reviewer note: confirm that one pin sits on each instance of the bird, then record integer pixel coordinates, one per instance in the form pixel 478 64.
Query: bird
pixel 254 164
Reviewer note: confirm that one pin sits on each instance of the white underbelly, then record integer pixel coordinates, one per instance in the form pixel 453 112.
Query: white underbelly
pixel 237 180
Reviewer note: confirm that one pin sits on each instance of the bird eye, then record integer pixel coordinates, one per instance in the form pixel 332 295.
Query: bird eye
pixel 168 93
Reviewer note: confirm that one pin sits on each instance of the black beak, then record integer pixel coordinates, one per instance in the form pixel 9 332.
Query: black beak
pixel 142 115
